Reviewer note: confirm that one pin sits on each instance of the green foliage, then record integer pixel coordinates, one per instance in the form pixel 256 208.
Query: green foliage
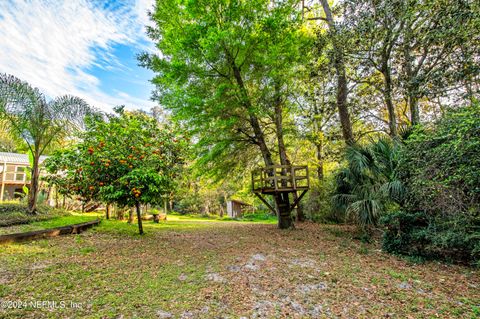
pixel 435 237
pixel 14 213
pixel 218 72
pixel 126 159
pixel 368 186
pixel 259 217
pixel 440 167
pixel 318 205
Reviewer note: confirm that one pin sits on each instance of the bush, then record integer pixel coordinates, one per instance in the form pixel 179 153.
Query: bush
pixel 14 213
pixel 317 205
pixel 368 186
pixel 440 168
pixel 259 216
pixel 421 235
pixel 441 165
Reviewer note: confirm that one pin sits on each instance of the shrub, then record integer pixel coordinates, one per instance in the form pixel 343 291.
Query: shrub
pixel 259 216
pixel 368 187
pixel 440 167
pixel 317 205
pixel 14 213
pixel 422 235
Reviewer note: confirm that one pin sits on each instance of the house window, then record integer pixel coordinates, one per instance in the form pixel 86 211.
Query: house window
pixel 20 173
pixel 10 173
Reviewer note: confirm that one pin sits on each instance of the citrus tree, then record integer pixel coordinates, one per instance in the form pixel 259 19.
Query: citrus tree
pixel 65 173
pixel 125 158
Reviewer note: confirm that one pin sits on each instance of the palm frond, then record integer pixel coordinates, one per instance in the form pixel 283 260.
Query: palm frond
pixel 366 212
pixel 359 159
pixel 18 97
pixel 369 181
pixel 393 190
pixel 70 110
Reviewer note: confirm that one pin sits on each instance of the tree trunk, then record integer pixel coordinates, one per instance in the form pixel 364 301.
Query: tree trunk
pixel 285 220
pixel 107 211
pixel 130 215
pixel 300 213
pixel 283 206
pixel 412 98
pixel 120 213
pixel 414 110
pixel 33 192
pixel 49 192
pixel 278 117
pixel 56 198
pixel 170 202
pixel 221 212
pixel 342 89
pixel 387 92
pixel 319 147
pixel 222 206
pixel 253 120
pixel 139 218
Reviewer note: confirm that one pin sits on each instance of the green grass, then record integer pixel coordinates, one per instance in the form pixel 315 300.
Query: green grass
pixel 175 221
pixel 248 217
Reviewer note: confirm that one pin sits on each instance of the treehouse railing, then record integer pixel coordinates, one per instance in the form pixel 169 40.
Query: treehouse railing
pixel 280 178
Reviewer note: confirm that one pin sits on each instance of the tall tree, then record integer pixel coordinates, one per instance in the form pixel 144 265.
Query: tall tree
pixel 39 122
pixel 220 63
pixel 342 81
pixel 434 34
pixel 376 27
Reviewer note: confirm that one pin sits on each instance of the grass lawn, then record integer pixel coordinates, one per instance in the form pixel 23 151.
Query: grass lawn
pixel 203 268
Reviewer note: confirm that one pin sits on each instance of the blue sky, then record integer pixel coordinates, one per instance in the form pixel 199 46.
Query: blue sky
pixel 86 48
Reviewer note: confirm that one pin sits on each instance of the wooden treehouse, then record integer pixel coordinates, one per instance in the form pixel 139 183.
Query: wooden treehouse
pixel 277 179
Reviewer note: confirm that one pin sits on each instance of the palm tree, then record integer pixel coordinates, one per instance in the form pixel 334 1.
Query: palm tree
pixel 369 183
pixel 37 121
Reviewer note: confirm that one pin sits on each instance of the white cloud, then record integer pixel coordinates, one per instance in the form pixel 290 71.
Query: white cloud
pixel 53 44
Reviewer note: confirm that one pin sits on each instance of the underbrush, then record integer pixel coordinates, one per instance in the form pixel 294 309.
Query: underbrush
pixel 260 216
pixel 418 235
pixel 14 213
pixel 248 217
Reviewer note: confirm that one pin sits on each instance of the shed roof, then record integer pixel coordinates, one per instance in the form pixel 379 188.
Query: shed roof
pixel 17 158
pixel 239 202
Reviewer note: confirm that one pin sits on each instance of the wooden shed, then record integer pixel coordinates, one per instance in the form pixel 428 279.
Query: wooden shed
pixel 235 208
